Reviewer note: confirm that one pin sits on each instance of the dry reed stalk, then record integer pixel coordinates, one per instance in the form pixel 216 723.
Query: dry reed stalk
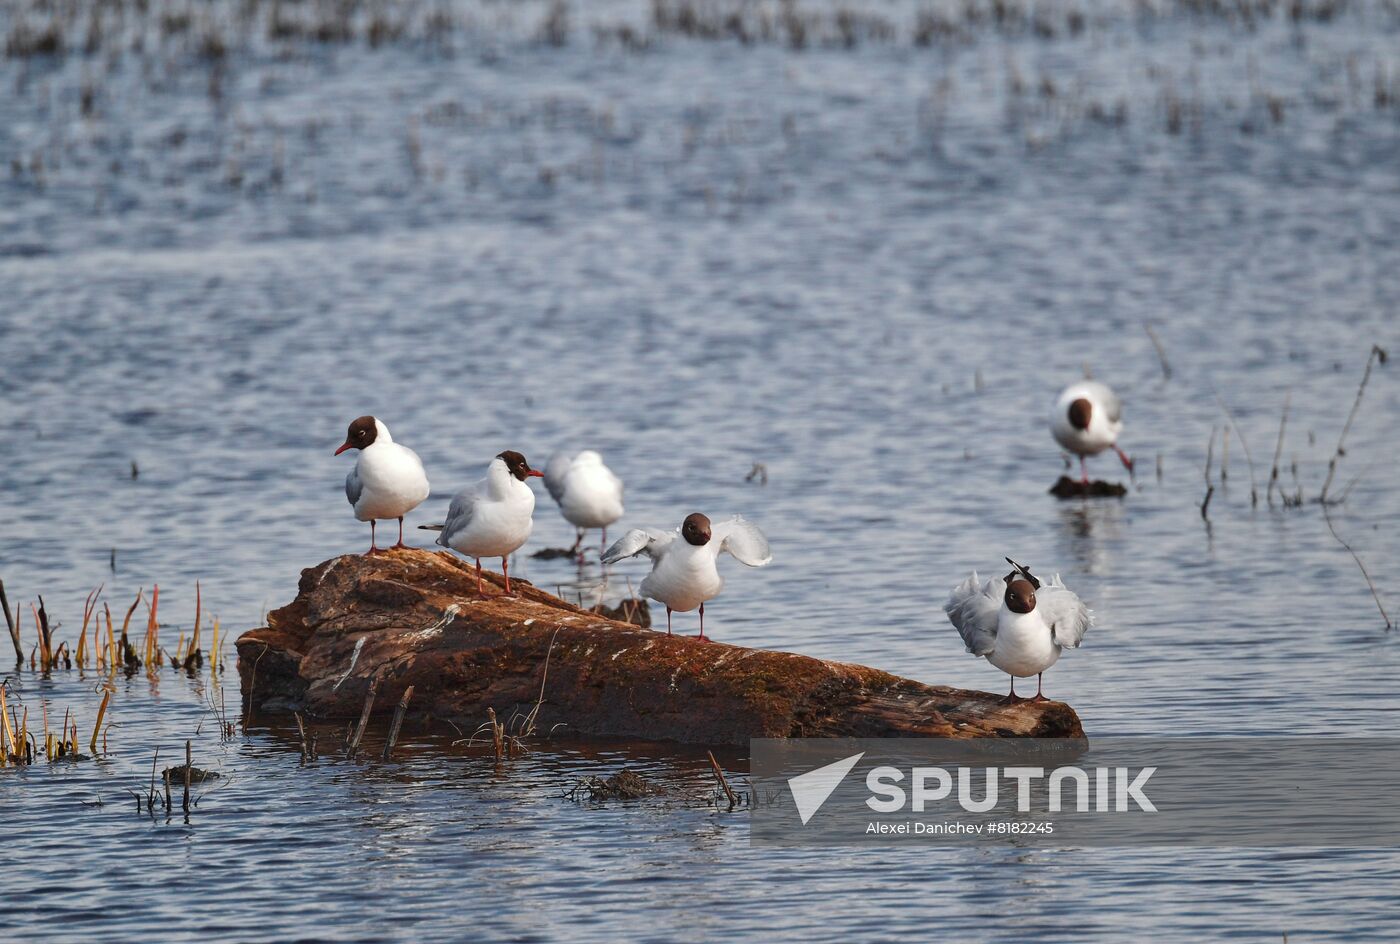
pixel 1278 447
pixel 1327 516
pixel 1377 354
pixel 214 650
pixel 89 608
pixel 364 716
pixel 151 645
pixel 45 657
pixel 305 748
pixel 101 713
pixel 1244 444
pixel 11 624
pixel 1210 489
pixel 399 712
pixel 498 734
pixel 111 638
pixel 719 775
pixel 194 636
pixel 1161 352
pixel 5 720
pixel 128 652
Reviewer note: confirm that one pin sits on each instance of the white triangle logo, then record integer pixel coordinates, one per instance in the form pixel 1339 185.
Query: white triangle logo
pixel 811 790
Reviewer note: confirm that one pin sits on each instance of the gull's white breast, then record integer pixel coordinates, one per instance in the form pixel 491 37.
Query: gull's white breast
pixel 392 481
pixel 685 576
pixel 1025 645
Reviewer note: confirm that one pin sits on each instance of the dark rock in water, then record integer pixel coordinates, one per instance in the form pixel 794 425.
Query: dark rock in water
pixel 1067 487
pixel 635 612
pixel 177 775
pixel 553 553
pixel 412 617
pixel 623 785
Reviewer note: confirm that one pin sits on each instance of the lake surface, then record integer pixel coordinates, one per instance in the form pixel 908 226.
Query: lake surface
pixel 866 262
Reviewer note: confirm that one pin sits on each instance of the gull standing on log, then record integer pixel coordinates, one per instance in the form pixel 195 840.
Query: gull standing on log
pixel 387 481
pixel 1087 419
pixel 589 495
pixel 492 517
pixel 684 573
pixel 1018 622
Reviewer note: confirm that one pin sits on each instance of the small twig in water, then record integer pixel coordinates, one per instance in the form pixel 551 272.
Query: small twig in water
pixel 1210 489
pixel 719 775
pixel 1161 351
pixel 1377 354
pixel 1327 516
pixel 1249 460
pixel 1278 448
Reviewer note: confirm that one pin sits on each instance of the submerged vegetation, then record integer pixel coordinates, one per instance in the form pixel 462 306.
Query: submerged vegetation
pixel 105 653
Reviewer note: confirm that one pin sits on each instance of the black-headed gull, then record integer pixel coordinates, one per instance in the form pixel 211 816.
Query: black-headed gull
pixel 1087 419
pixel 684 573
pixel 589 495
pixel 387 481
pixel 492 517
pixel 1020 623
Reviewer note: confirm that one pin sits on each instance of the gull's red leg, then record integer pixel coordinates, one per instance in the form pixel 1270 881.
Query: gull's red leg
pixel 1123 458
pixel 505 569
pixel 668 621
pixel 1083 480
pixel 400 544
pixel 1039 681
pixel 373 547
pixel 1013 698
pixel 702 637
pixel 480 591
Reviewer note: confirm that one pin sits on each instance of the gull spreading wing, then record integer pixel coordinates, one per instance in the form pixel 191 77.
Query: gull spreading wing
pixel 743 540
pixel 1067 615
pixel 639 541
pixel 972 608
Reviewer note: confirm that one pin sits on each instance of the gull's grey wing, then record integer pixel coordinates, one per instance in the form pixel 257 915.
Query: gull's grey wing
pixel 972 608
pixel 639 541
pixel 459 514
pixel 1067 615
pixel 353 487
pixel 743 540
pixel 554 472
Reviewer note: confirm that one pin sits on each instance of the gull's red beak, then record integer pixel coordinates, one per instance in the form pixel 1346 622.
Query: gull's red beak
pixel 535 472
pixel 343 447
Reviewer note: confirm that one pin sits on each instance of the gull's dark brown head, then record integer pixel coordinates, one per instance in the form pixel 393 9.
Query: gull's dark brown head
pixel 517 466
pixel 696 529
pixel 1080 412
pixel 1020 595
pixel 363 431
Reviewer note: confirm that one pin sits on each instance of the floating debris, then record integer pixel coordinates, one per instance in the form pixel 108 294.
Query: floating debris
pixel 1067 487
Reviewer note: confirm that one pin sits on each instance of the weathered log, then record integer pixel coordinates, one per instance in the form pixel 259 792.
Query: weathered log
pixel 412 617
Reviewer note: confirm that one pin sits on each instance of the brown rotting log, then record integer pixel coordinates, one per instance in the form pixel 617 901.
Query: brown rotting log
pixel 412 617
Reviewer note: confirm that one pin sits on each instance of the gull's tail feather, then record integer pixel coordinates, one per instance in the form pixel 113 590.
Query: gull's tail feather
pixel 430 527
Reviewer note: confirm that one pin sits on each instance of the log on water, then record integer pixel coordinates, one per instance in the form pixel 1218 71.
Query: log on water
pixel 413 617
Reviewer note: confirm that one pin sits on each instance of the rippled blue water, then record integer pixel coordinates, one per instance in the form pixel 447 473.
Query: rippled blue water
pixel 869 269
